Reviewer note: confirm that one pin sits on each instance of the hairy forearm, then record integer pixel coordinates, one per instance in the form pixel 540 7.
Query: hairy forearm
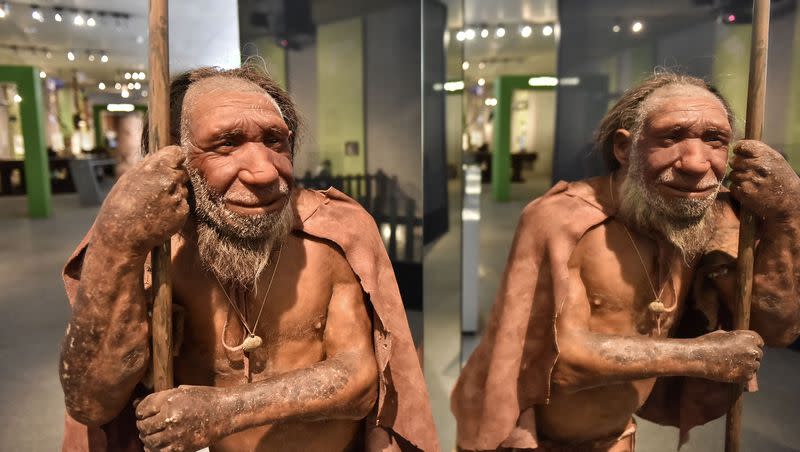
pixel 775 309
pixel 341 387
pixel 590 360
pixel 105 350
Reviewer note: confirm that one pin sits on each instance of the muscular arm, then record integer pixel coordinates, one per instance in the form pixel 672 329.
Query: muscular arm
pixel 106 349
pixel 763 182
pixel 775 308
pixel 591 359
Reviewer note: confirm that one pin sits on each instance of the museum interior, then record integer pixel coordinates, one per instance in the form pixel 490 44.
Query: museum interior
pixel 442 118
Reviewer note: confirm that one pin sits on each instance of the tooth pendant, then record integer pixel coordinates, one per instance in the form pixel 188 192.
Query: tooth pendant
pixel 251 343
pixel 657 306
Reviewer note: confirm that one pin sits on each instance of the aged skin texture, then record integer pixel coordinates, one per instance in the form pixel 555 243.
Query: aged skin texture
pixel 315 378
pixel 659 228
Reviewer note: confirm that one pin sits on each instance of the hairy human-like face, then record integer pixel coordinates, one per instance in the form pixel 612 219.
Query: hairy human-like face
pixel 674 164
pixel 240 164
pixel 239 144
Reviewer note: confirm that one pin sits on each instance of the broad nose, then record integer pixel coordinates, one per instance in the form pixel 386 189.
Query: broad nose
pixel 694 158
pixel 257 165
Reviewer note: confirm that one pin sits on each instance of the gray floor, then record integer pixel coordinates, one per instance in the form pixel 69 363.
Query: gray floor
pixel 33 314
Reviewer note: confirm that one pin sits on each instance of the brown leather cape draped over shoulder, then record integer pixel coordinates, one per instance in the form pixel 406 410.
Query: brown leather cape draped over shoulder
pixel 402 417
pixel 509 372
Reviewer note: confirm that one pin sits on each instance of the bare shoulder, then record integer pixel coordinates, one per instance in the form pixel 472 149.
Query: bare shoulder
pixel 326 258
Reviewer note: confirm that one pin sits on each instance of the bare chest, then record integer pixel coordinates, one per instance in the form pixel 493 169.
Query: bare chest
pixel 632 287
pixel 289 320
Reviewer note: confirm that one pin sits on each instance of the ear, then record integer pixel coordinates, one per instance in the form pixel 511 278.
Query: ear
pixel 622 147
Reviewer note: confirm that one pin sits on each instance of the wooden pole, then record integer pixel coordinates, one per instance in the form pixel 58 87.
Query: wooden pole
pixel 158 128
pixel 756 92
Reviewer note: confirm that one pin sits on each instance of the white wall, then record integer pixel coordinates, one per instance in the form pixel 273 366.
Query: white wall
pixel 203 33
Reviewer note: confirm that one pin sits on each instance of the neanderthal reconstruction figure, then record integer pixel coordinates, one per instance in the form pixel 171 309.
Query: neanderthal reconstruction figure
pixel 616 287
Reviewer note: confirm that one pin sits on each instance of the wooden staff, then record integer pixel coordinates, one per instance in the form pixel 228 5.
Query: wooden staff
pixel 756 92
pixel 158 128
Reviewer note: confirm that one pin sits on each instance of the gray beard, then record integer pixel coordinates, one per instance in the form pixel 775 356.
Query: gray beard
pixel 686 223
pixel 236 248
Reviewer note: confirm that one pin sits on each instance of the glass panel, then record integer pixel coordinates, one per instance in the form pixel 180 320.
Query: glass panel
pixel 442 129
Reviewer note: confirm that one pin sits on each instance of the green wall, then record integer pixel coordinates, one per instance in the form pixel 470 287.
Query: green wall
pixel 31 109
pixel 731 65
pixel 340 78
pixel 275 57
pixel 792 145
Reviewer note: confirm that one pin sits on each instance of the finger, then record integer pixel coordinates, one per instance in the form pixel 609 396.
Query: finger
pixel 739 176
pixel 748 148
pixel 157 441
pixel 148 407
pixel 151 426
pixel 183 176
pixel 173 156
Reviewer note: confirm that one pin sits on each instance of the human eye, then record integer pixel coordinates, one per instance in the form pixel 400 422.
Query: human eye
pixel 228 141
pixel 716 139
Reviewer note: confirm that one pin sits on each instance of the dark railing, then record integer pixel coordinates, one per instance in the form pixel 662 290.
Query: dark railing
pixel 381 196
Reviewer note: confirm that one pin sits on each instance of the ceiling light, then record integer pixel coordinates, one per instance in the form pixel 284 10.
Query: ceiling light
pixel 465 65
pixel 543 81
pixel 481 82
pixel 78 20
pixel 48 54
pixel 57 16
pixel 460 36
pixel 36 13
pixel 144 93
pixel 526 31
pixel 454 86
pixel 120 107
pixel 125 94
pixel 17 98
pixel 481 65
pixel 485 33
pixel 117 85
pixel 70 56
pixel 135 76
pixel 137 85
pixel 616 28
pixel 469 34
pixel 141 75
pixel 91 22
pixel 91 57
pixel 547 30
pixel 101 85
pixel 490 101
pixel 637 27
pixel 500 32
pixel 4 11
pixel 42 74
pixel 127 76
pixel 104 58
pixel 130 85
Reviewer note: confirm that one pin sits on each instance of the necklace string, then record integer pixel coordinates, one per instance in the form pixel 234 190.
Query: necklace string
pixel 661 308
pixel 250 331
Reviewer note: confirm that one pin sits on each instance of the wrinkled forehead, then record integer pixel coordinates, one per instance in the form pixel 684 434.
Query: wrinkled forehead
pixel 684 102
pixel 216 88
